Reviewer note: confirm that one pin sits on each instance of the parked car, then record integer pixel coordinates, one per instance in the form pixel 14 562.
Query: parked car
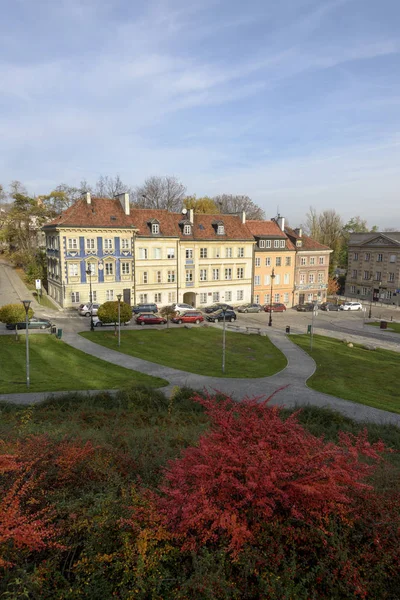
pixel 192 316
pixel 250 308
pixel 218 315
pixel 329 306
pixel 307 307
pixel 350 306
pixel 145 308
pixel 150 319
pixel 87 309
pixel 217 306
pixel 98 323
pixel 34 323
pixel 181 307
pixel 275 307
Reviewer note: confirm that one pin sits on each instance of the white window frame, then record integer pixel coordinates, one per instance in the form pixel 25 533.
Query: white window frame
pixel 303 261
pixel 145 277
pixel 187 229
pixel 228 273
pixel 189 253
pixel 256 280
pixel 240 252
pixel 125 244
pixel 158 297
pixel 158 277
pixel 321 277
pixel 261 243
pixel 170 253
pixel 311 278
pixel 321 260
pixel 215 296
pixel 74 297
pixel 282 243
pixel 155 228
pixel 143 253
pixel 215 274
pixel 239 295
pixel 228 252
pixel 286 278
pixel 286 297
pixel 268 261
pixel 277 297
pixel 189 275
pixel 108 244
pixel 73 244
pixel 278 261
pixel 90 243
pixel 157 253
pixel 125 268
pixel 108 268
pixel 203 274
pixel 203 252
pixel 240 273
pixel 109 295
pixel 276 243
pixel 203 298
pixel 73 269
pixel 171 276
pixel 220 230
pixel 257 262
pixel 228 296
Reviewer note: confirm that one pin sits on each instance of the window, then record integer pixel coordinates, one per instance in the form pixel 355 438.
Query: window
pixel 392 258
pixel 303 261
pixel 108 243
pixel 282 243
pixel 288 261
pixel 203 298
pixel 125 268
pixel 74 296
pixel 258 262
pixel 261 243
pixel 312 260
pixel 268 243
pixel 142 298
pixel 239 295
pixel 203 252
pixel 221 230
pixel 364 291
pixel 311 278
pixel 228 296
pixel 268 262
pixel 215 274
pixel 320 277
pixel 109 295
pixel 217 252
pixel 240 273
pixel 94 296
pixel 203 274
pixel 277 297
pixel 276 243
pixel 257 299
pixel 378 276
pixel 277 279
pixel 352 289
pixel 228 273
pixel 73 269
pixel 367 257
pixel 310 298
pixel 388 295
pixel 379 258
pixel 90 244
pixel 321 260
pixel 257 280
pixel 189 253
pixel 228 252
pixel 302 278
pixel 158 277
pixel 143 254
pixel 188 275
pixel 109 268
pixel 286 278
pixel 73 244
pixel 157 253
pixel 171 276
pixel 157 297
pixel 125 244
pixel 267 279
pixel 171 297
pixel 354 273
pixel 240 252
pixel 187 229
pixel 267 298
pixel 145 277
pixel 155 228
pixel 170 252
pixel 278 261
pixel 390 276
pixel 215 296
pixel 355 256
pixel 286 297
pixel 366 274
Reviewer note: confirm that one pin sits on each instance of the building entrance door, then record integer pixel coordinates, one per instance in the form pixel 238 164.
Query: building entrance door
pixel 301 298
pixel 127 296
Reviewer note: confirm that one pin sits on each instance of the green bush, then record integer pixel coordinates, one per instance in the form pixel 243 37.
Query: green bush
pixel 14 313
pixel 108 312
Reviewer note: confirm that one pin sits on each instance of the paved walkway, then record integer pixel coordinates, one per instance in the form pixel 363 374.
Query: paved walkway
pixel 290 383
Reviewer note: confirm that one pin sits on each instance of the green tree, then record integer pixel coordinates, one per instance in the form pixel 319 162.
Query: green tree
pixel 108 313
pixel 204 205
pixel 13 313
pixel 168 312
pixel 354 225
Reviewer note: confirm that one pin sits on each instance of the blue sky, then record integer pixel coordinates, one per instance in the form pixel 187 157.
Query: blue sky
pixel 294 103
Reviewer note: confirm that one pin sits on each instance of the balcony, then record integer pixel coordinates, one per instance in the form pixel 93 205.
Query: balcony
pixel 189 284
pixel 311 286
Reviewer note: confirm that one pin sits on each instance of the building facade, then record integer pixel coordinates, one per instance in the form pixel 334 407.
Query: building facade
pixel 373 272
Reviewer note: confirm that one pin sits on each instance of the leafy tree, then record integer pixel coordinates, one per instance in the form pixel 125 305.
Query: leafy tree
pixel 228 203
pixel 108 313
pixel 333 286
pixel 354 225
pixel 168 312
pixel 203 205
pixel 14 313
pixel 160 192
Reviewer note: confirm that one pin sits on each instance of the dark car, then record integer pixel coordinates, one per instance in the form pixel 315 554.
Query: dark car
pixel 150 319
pixel 145 308
pixel 307 307
pixel 34 323
pixel 246 308
pixel 217 306
pixel 275 307
pixel 218 315
pixel 189 317
pixel 329 306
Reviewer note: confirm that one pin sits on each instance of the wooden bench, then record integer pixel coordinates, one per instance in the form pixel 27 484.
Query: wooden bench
pixel 253 330
pixel 235 327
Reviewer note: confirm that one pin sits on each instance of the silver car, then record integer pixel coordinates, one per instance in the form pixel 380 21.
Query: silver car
pixel 90 308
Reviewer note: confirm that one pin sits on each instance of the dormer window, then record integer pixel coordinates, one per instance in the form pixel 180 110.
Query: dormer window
pixel 155 228
pixel 187 229
pixel 220 230
pixel 298 243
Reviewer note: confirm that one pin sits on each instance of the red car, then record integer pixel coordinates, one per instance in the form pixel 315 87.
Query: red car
pixel 189 317
pixel 275 307
pixel 150 319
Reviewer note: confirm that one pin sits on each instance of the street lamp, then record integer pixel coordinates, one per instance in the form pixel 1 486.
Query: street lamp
pixel 89 272
pixel 270 299
pixel 119 296
pixel 223 341
pixel 27 304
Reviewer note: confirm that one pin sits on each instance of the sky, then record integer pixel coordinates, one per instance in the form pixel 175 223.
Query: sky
pixel 294 103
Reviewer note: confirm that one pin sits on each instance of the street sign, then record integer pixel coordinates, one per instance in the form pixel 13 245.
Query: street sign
pixel 38 284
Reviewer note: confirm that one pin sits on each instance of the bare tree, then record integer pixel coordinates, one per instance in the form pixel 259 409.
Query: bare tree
pixel 312 224
pixel 16 187
pixel 160 192
pixel 228 203
pixel 108 187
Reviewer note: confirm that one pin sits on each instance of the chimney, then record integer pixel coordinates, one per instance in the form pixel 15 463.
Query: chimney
pixel 299 232
pixel 243 215
pixel 191 215
pixel 124 199
pixel 87 197
pixel 281 222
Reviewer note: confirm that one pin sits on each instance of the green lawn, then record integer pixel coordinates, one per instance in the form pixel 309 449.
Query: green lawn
pixel 198 350
pixel 369 377
pixel 390 326
pixel 55 366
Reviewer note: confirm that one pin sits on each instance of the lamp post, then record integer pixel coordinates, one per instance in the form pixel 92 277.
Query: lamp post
pixel 223 341
pixel 370 304
pixel 89 272
pixel 27 304
pixel 119 296
pixel 270 300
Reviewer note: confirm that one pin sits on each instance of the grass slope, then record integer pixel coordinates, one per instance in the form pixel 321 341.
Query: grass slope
pixel 55 366
pixel 365 376
pixel 390 326
pixel 198 350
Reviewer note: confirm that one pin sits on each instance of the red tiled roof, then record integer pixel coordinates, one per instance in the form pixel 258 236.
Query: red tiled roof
pixel 96 214
pixel 307 242
pixel 205 228
pixel 269 229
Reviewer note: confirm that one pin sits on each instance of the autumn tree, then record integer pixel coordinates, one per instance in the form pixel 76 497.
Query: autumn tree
pixel 108 313
pixel 204 205
pixel 228 203
pixel 168 312
pixel 160 192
